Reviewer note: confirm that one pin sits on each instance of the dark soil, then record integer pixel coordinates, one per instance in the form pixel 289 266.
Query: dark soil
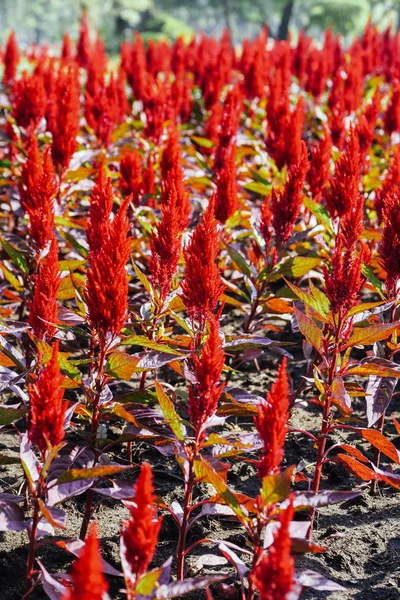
pixel 361 537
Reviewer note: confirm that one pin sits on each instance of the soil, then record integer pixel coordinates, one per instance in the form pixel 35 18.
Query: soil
pixel 361 537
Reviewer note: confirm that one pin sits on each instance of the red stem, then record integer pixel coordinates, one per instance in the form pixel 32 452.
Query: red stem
pixel 32 544
pixel 180 552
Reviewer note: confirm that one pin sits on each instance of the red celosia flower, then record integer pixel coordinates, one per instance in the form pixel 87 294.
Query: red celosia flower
pixel 293 135
pixel 344 283
pixel 102 111
pixel 271 423
pixel 175 179
pixel 337 110
pixel 43 309
pixel 389 247
pixel 226 195
pixel 391 119
pixel 29 100
pixel 390 184
pixel 107 282
pixel 67 49
pixel 166 244
pixel 352 223
pixel 140 532
pixel 229 126
pixel 87 576
pixel 38 189
pixel 318 173
pixel 273 575
pixel 266 222
pixel 285 205
pixel 46 406
pixel 205 393
pixel 365 127
pixel 131 171
pixel 171 156
pixel 11 59
pixel 345 183
pixel 84 45
pixel 63 116
pixel 149 178
pixel 202 286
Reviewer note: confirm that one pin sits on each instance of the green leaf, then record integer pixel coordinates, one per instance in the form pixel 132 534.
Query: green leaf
pixel 298 266
pixel 239 261
pixel 369 335
pixel 202 141
pixel 372 278
pixel 144 342
pixel 16 255
pixel 169 412
pixel 204 471
pixel 121 365
pixel 258 188
pixel 309 329
pixel 319 303
pixel 320 212
pixel 8 415
pixel 276 488
pixel 91 473
pixel 148 582
pixel 144 281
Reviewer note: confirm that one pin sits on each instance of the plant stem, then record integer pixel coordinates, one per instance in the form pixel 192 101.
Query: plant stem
pixel 32 544
pixel 180 552
pixel 377 455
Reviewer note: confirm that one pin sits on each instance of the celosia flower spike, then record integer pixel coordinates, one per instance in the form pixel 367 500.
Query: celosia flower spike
pixel 205 393
pixel 202 286
pixel 166 245
pixel 273 575
pixel 389 248
pixel 46 406
pixel 226 195
pixel 11 59
pixel 140 532
pixel 87 576
pixel 131 171
pixel 271 423
pixel 345 183
pixel 43 309
pixel 285 205
pixel 318 173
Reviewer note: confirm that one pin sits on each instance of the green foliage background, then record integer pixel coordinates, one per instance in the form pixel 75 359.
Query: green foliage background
pixel 46 20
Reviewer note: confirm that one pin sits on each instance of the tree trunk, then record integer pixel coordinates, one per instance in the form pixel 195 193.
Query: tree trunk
pixel 283 30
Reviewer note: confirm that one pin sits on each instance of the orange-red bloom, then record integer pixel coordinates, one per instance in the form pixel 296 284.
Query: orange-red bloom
pixel 318 174
pixel 29 100
pixel 166 244
pixel 38 189
pixel 389 248
pixel 202 286
pixel 88 581
pixel 271 423
pixel 274 573
pixel 11 59
pixel 43 309
pixel 131 171
pixel 345 183
pixel 140 532
pixel 226 195
pixel 46 406
pixel 205 393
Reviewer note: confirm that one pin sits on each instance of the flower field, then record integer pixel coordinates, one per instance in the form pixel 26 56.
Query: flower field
pixel 200 289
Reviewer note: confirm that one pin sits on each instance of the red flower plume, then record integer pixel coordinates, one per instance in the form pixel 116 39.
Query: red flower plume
pixel 46 406
pixel 345 183
pixel 202 286
pixel 391 119
pixel 88 581
pixel 271 423
pixel 11 59
pixel 67 50
pixel 38 188
pixel 140 532
pixel 107 282
pixel 273 575
pixel 285 205
pixel 204 395
pixel 389 248
pixel 84 45
pixel 29 100
pixel 226 195
pixel 131 171
pixel 390 184
pixel 43 309
pixel 166 244
pixel 318 173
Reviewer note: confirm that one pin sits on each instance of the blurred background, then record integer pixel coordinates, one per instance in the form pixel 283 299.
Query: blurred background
pixel 43 21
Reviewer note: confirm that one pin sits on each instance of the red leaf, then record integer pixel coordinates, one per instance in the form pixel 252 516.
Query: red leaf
pixel 357 468
pixel 377 439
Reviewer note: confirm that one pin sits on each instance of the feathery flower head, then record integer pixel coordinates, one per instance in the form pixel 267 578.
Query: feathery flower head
pixel 352 223
pixel 175 179
pixel 271 423
pixel 390 184
pixel 140 532
pixel 11 59
pixel 88 581
pixel 202 286
pixel 318 173
pixel 205 393
pixel 84 45
pixel 46 406
pixel 67 49
pixel 274 573
pixel 389 247
pixel 345 183
pixel 43 308
pixel 131 171
pixel 29 100
pixel 285 205
pixel 166 244
pixel 226 195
